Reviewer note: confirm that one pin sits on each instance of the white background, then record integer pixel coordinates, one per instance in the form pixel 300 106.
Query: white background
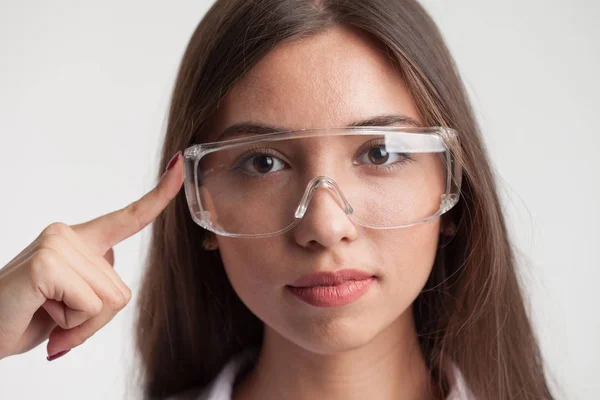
pixel 84 90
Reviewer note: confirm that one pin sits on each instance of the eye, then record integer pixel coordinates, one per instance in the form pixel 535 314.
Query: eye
pixel 264 164
pixel 259 163
pixel 378 155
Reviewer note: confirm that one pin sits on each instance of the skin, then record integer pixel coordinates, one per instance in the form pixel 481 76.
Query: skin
pixel 62 287
pixel 366 349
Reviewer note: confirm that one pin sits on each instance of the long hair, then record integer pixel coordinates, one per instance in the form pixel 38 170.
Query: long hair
pixel 190 321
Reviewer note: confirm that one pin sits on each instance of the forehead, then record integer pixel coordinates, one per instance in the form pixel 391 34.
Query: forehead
pixel 328 80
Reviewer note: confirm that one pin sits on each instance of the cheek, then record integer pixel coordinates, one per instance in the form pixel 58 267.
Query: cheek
pixel 408 256
pixel 251 269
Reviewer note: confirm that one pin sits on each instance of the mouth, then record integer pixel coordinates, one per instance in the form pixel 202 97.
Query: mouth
pixel 331 289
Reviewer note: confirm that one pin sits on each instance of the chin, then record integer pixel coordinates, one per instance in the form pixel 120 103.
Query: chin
pixel 329 336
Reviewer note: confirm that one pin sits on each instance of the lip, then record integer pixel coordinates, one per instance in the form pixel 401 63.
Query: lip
pixel 331 289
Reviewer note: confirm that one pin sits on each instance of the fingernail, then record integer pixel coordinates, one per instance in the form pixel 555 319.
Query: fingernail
pixel 173 161
pixel 57 355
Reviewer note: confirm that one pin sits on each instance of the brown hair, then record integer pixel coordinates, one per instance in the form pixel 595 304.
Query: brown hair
pixel 471 311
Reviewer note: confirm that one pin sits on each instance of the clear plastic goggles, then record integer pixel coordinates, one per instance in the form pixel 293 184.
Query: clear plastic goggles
pixel 381 177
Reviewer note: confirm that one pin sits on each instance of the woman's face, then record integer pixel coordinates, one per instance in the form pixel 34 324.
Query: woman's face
pixel 325 81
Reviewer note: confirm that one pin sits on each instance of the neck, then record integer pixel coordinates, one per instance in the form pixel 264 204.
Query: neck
pixel 390 366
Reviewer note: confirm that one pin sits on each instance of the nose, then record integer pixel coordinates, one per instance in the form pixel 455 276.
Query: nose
pixel 324 216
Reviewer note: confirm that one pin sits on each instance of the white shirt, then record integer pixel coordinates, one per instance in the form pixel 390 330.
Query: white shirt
pixel 221 387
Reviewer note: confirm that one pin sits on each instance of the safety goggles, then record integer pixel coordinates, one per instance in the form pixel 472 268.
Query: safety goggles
pixel 380 177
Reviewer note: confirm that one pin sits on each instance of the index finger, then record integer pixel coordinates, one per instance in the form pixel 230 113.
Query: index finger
pixel 106 231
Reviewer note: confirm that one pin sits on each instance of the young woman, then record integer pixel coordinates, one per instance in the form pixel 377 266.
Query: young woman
pixel 339 235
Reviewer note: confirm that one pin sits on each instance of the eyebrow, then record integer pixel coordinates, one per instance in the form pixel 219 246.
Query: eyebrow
pixel 253 128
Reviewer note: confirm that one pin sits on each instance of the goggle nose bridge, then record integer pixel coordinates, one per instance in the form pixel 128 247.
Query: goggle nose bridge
pixel 322 182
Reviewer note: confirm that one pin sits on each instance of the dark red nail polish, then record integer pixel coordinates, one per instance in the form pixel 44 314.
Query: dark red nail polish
pixel 173 161
pixel 57 355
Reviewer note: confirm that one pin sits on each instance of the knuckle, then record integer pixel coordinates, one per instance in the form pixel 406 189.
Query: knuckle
pixel 43 269
pixel 127 295
pixel 52 241
pixel 55 228
pixel 117 301
pixel 41 261
pixel 134 212
pixel 95 307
